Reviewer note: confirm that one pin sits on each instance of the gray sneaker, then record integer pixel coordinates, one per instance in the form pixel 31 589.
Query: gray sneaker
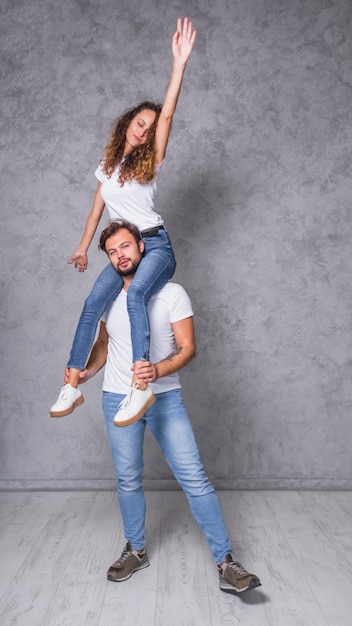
pixel 233 578
pixel 130 561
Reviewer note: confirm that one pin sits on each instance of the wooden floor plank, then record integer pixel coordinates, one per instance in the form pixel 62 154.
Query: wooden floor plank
pixel 133 601
pixel 272 558
pixel 32 588
pixel 55 548
pixel 227 608
pixel 345 500
pixel 81 592
pixel 320 562
pixel 11 502
pixel 331 519
pixel 20 535
pixel 181 579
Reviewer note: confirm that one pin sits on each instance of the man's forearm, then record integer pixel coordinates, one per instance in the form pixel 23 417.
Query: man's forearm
pixel 175 361
pixel 97 358
pixel 183 353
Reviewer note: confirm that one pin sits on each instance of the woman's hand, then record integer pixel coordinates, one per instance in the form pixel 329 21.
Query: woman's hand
pixel 80 260
pixel 182 41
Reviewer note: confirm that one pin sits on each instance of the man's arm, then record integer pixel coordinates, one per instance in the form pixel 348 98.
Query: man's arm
pixel 183 353
pixel 97 357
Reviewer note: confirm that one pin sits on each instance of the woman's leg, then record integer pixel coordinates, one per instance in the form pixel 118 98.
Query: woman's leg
pixel 156 268
pixel 105 289
pixel 107 286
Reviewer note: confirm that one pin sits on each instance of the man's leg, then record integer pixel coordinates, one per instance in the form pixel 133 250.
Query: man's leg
pixel 170 425
pixel 127 451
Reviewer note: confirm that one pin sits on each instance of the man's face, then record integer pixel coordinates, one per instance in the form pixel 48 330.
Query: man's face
pixel 124 252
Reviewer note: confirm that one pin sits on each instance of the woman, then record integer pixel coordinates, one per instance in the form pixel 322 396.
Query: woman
pixel 127 184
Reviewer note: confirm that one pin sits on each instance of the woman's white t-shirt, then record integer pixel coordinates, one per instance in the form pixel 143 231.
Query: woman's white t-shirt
pixel 133 202
pixel 170 304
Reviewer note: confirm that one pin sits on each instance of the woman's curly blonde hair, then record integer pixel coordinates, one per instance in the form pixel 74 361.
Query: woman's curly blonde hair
pixel 139 164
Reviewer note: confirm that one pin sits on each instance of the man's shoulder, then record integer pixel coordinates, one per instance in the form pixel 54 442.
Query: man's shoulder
pixel 174 298
pixel 172 287
pixel 171 290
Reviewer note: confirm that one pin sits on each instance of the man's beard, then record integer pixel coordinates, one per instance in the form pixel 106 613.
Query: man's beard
pixel 129 271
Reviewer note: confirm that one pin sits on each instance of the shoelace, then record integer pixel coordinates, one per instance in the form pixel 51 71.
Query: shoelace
pixel 126 401
pixel 236 565
pixel 63 393
pixel 125 554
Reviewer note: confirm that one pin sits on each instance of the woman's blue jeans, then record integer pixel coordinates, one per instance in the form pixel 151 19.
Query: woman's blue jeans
pixel 170 426
pixel 156 268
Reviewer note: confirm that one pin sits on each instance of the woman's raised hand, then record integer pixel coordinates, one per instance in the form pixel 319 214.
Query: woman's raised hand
pixel 183 40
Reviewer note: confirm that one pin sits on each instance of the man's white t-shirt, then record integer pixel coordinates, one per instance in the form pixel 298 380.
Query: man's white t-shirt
pixel 171 304
pixel 133 201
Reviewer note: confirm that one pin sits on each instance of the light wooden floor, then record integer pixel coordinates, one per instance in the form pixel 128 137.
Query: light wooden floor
pixel 55 548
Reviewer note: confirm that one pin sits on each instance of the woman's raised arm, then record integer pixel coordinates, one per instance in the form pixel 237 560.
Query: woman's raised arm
pixel 182 45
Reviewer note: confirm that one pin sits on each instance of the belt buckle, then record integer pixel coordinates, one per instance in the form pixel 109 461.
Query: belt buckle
pixel 152 232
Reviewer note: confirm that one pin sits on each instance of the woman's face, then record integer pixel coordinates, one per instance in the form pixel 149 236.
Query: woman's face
pixel 137 131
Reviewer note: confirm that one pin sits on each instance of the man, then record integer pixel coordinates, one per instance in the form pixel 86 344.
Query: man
pixel 172 347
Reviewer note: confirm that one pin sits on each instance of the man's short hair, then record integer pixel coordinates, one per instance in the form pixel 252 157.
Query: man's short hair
pixel 113 227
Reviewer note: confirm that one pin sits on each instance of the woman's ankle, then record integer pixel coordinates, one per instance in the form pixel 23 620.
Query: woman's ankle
pixel 73 377
pixel 141 384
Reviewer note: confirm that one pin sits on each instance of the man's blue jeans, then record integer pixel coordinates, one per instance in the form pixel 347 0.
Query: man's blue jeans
pixel 156 268
pixel 170 426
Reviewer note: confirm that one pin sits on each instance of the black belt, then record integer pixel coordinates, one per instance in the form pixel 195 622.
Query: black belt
pixel 151 232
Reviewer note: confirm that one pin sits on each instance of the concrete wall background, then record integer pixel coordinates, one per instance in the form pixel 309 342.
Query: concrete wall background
pixel 256 194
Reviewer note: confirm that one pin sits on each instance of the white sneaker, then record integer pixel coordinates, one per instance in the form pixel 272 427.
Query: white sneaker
pixel 69 398
pixel 133 407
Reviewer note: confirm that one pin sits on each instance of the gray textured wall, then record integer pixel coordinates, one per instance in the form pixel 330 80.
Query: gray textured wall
pixel 256 194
